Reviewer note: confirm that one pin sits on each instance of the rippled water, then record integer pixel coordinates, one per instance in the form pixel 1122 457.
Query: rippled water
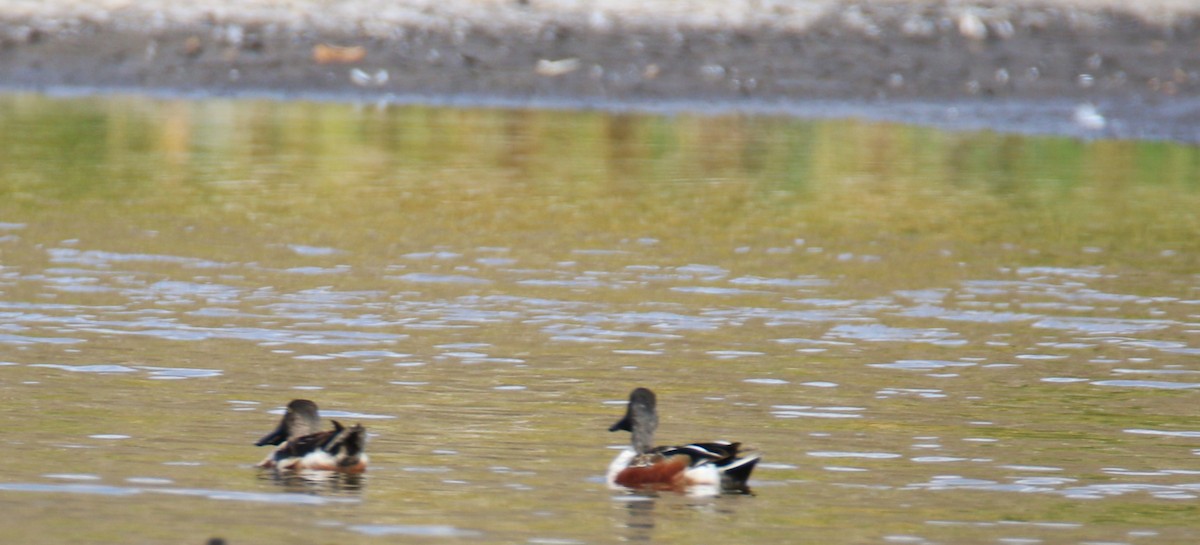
pixel 933 337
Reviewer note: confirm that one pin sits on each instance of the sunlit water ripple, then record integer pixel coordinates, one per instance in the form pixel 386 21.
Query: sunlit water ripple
pixel 485 308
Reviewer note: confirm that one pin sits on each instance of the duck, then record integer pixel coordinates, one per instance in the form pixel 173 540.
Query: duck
pixel 299 444
pixel 695 468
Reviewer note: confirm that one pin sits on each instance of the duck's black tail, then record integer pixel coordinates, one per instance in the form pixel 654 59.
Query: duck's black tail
pixel 356 440
pixel 736 473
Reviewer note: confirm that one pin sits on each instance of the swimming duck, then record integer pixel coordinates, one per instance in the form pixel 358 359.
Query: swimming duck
pixel 696 468
pixel 301 446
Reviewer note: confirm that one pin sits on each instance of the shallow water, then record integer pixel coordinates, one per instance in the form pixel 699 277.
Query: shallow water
pixel 932 337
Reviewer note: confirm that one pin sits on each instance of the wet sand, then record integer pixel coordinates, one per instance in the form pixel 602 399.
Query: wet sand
pixel 1096 68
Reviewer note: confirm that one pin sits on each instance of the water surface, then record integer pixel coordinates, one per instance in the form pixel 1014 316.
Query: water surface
pixel 933 337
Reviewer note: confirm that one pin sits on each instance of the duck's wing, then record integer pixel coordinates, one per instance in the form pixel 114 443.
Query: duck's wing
pixel 719 452
pixel 301 446
pixel 733 465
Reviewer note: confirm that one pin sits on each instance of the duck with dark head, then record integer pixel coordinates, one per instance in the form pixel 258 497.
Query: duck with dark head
pixel 300 446
pixel 694 468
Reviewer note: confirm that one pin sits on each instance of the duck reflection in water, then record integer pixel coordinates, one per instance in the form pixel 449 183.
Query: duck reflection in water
pixel 643 508
pixel 639 522
pixel 698 469
pixel 299 446
pixel 322 482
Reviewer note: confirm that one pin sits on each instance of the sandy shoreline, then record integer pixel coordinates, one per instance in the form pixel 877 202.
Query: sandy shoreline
pixel 1139 65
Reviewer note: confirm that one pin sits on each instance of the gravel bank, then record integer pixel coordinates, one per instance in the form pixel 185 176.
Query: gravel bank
pixel 1138 65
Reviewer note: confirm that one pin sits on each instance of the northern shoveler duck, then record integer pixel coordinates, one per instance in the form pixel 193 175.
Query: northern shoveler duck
pixel 301 446
pixel 696 468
